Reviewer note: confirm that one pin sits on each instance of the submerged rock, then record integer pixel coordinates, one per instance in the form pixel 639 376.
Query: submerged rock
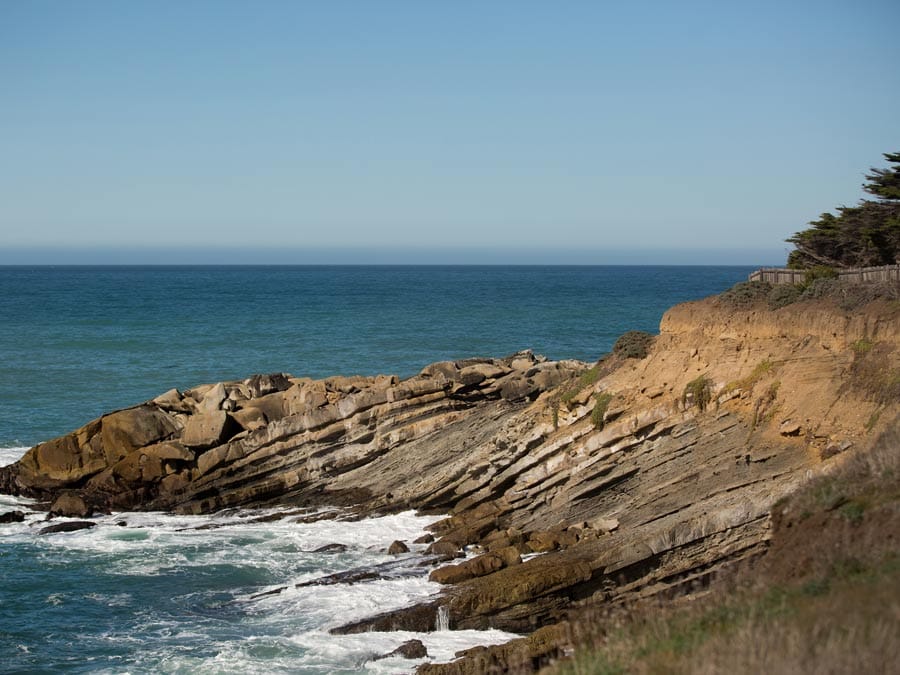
pixel 411 649
pixel 68 526
pixel 398 547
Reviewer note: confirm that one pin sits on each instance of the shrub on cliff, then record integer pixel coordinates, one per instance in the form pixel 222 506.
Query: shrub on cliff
pixel 601 405
pixel 783 295
pixel 746 294
pixel 697 392
pixel 850 296
pixel 635 344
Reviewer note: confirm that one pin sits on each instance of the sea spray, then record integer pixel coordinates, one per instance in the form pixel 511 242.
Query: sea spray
pixel 442 620
pixel 173 593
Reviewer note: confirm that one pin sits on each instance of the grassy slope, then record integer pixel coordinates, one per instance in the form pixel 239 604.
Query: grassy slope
pixel 825 599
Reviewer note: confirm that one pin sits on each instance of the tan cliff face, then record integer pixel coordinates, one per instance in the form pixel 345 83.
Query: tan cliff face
pixel 645 478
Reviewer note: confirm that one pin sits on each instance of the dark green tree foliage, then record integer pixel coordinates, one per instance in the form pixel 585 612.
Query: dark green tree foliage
pixel 858 236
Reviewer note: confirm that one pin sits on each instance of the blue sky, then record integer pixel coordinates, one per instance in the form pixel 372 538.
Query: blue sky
pixel 439 132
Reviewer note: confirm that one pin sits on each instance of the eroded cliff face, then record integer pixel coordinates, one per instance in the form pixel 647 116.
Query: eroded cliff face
pixel 638 478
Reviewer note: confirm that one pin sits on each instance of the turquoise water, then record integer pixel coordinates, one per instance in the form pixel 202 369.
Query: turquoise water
pixel 79 341
pixel 169 594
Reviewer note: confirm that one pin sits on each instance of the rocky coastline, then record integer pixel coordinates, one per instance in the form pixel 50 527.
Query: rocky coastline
pixel 641 476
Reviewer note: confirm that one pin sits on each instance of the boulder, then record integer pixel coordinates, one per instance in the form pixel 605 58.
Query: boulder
pixel 260 385
pixel 174 483
pixel 173 401
pixel 249 418
pixel 476 567
pixel 411 649
pixel 515 387
pixel 68 526
pixel 70 505
pixel 271 406
pixel 484 564
pixel 790 428
pixel 169 450
pixel 543 541
pixel 213 399
pixel 205 430
pixel 398 547
pixel 12 517
pixel 509 555
pixel 441 547
pixel 450 574
pixel 127 430
pixel 331 548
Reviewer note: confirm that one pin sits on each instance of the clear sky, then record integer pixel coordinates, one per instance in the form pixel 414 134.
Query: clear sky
pixel 340 131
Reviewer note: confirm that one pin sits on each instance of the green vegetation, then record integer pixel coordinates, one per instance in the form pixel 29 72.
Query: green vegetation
pixel 697 392
pixel 745 294
pixel 601 404
pixel 635 344
pixel 823 599
pixel 874 371
pixel 862 346
pixel 586 379
pixel 784 295
pixel 859 236
pixel 817 272
pixel 760 370
pixel 819 286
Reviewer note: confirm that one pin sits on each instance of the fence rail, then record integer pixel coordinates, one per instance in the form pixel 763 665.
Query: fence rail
pixel 783 275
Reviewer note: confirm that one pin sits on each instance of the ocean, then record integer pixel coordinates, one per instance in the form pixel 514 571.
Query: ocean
pixel 153 592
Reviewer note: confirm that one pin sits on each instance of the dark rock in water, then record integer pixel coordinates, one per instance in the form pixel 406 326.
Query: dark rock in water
pixel 411 649
pixel 424 539
pixel 12 517
pixel 122 523
pixel 392 569
pixel 70 526
pixel 419 618
pixel 70 505
pixel 398 547
pixel 331 548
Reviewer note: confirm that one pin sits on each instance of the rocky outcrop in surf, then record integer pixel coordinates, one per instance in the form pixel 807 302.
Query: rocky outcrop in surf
pixel 641 476
pixel 373 441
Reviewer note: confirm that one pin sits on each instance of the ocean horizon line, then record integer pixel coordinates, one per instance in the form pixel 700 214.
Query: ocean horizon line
pixel 356 256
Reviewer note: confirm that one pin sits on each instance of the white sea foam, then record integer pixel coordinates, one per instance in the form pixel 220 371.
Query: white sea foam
pixel 11 455
pixel 236 629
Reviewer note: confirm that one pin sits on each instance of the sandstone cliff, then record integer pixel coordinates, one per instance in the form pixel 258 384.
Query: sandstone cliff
pixel 638 477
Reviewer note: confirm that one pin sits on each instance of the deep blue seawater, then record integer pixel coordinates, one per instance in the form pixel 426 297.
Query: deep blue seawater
pixel 159 595
pixel 76 342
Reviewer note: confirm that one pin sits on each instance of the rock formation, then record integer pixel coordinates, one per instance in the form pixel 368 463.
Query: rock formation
pixel 638 477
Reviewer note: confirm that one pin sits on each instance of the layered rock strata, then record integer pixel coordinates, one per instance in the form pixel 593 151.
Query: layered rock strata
pixel 370 441
pixel 636 478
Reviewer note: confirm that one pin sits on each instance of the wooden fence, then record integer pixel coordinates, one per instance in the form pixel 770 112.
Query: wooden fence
pixel 783 275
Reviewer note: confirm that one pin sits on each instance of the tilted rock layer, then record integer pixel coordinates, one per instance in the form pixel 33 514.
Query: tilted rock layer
pixel 636 478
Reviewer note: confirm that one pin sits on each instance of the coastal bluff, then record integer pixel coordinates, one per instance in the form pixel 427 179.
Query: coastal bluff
pixel 640 476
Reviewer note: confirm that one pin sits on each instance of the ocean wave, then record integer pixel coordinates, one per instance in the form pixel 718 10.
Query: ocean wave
pixel 11 455
pixel 218 593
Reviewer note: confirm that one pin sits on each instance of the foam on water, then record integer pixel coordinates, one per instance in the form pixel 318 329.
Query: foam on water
pixel 11 455
pixel 170 593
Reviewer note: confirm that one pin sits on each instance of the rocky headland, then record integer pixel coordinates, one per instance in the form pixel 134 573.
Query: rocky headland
pixel 641 476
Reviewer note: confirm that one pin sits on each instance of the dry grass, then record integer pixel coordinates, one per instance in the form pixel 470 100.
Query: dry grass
pixel 825 599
